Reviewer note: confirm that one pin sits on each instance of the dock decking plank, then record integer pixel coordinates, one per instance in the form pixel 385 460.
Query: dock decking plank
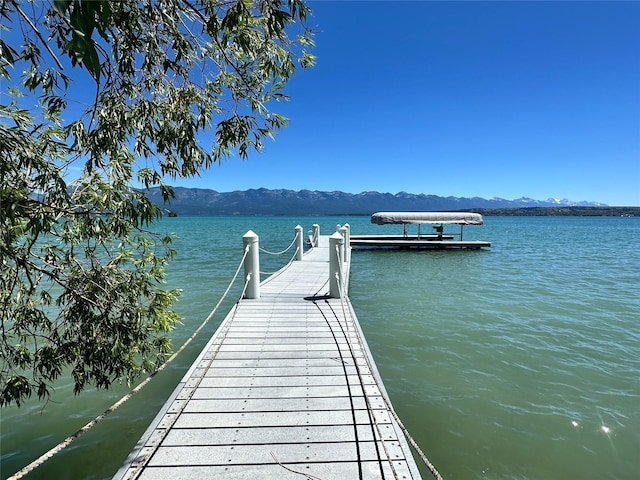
pixel 324 471
pixel 258 436
pixel 286 453
pixel 284 391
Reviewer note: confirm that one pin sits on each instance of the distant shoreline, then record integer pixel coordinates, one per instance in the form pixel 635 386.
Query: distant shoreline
pixel 560 212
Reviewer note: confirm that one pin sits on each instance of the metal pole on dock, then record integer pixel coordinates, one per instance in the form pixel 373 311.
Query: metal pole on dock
pixel 252 264
pixel 299 243
pixel 336 244
pixel 316 234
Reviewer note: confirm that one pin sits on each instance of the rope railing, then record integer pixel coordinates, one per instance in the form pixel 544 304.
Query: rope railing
pixel 291 260
pixel 246 283
pixel 168 423
pixel 283 251
pixel 340 274
pixel 373 423
pixel 69 440
pixel 296 253
pixel 432 469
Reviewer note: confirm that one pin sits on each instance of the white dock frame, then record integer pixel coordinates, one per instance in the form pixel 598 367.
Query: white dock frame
pixel 285 389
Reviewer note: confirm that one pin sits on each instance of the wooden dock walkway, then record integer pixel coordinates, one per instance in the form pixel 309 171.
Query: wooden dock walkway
pixel 285 389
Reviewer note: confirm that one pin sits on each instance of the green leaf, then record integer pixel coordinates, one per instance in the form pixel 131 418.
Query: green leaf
pixel 61 6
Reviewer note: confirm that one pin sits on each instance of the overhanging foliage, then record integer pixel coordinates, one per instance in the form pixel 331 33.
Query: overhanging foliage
pixel 174 86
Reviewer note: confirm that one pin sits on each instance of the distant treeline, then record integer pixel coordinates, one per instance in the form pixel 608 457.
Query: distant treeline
pixel 560 212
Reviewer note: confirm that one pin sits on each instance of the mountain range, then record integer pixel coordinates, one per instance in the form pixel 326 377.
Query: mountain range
pixel 262 201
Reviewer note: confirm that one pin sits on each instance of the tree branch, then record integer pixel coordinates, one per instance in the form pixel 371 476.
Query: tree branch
pixel 39 35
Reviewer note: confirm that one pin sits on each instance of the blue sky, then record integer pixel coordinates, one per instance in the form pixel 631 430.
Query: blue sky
pixel 492 99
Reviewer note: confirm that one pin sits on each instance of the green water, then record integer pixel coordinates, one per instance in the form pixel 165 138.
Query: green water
pixel 519 361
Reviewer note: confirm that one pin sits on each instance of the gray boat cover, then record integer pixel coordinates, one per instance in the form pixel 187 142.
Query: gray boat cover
pixel 461 218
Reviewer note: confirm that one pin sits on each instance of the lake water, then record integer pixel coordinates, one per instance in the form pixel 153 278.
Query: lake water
pixel 521 361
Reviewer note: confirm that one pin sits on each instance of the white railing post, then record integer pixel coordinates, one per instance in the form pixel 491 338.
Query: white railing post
pixel 316 234
pixel 347 243
pixel 338 226
pixel 343 250
pixel 347 227
pixel 336 242
pixel 299 243
pixel 252 264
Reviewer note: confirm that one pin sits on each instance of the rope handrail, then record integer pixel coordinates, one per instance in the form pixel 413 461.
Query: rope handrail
pixel 282 269
pixel 70 439
pixel 224 329
pixel 432 469
pixel 295 237
pixel 373 423
pixel 246 284
pixel 340 273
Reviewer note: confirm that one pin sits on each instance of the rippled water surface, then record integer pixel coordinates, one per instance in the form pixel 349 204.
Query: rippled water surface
pixel 521 361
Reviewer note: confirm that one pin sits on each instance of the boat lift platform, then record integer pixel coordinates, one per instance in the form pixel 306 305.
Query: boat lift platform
pixel 438 241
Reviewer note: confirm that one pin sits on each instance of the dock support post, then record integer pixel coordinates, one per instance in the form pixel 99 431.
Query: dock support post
pixel 252 264
pixel 336 244
pixel 299 243
pixel 316 234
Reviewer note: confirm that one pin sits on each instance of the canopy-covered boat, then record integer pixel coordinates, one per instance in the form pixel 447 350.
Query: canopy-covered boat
pixel 439 240
pixel 459 218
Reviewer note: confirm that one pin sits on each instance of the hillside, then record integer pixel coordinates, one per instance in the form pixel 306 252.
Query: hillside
pixel 204 202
